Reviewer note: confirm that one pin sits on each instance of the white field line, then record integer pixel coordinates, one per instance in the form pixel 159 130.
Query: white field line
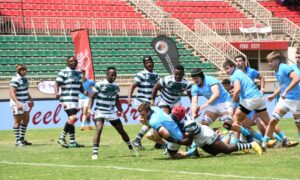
pixel 140 170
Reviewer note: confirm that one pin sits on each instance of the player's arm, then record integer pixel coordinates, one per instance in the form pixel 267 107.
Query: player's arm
pixel 295 81
pixel 120 109
pixel 194 106
pixel 275 93
pixel 56 89
pixel 12 93
pixel 189 93
pixel 156 88
pixel 130 92
pixel 236 90
pixel 91 99
pixel 31 100
pixel 262 83
pixel 215 94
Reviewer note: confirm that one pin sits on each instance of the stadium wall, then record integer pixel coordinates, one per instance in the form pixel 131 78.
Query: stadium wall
pixel 49 114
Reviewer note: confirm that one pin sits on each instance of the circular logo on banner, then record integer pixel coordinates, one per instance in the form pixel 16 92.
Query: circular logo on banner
pixel 46 87
pixel 162 47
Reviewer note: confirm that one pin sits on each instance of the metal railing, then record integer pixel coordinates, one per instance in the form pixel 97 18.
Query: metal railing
pixel 269 29
pixel 253 7
pixel 63 26
pixel 176 27
pixel 216 40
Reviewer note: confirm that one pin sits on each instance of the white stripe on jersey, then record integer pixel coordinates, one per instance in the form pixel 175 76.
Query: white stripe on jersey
pixel 21 85
pixel 145 82
pixel 106 96
pixel 172 90
pixel 70 84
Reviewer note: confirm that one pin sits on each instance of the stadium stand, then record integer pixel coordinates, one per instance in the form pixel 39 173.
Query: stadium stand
pixel 281 11
pixel 45 55
pixel 188 11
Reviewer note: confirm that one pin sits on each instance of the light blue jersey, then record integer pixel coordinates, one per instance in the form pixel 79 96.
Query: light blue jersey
pixel 87 87
pixel 296 69
pixel 205 90
pixel 159 118
pixel 252 73
pixel 248 88
pixel 283 77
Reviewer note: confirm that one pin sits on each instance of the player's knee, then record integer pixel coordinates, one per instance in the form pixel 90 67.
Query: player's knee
pixel 227 124
pixel 72 119
pixel 206 121
pixel 276 116
pixel 297 122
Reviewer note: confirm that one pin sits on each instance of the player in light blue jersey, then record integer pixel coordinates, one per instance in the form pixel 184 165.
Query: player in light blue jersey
pixel 289 89
pixel 296 68
pixel 250 97
pixel 20 104
pixel 164 126
pixel 69 80
pixel 84 101
pixel 217 104
pixel 106 96
pixel 251 73
pixel 144 81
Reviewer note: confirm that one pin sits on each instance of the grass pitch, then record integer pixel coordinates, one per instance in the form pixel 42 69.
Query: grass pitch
pixel 45 159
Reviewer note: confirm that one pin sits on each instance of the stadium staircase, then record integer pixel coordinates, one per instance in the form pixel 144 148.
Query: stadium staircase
pixel 200 44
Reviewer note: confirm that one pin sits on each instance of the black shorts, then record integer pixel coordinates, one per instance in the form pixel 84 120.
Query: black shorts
pixel 71 112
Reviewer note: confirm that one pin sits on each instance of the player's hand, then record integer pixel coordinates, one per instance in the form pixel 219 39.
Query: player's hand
pixel 129 102
pixel 270 98
pixel 123 115
pixel 283 95
pixel 30 104
pixel 142 120
pixel 19 106
pixel 203 106
pixel 86 93
pixel 152 102
pixel 262 90
pixel 57 96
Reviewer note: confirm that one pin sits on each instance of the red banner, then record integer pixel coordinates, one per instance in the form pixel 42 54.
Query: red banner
pixel 272 45
pixel 83 52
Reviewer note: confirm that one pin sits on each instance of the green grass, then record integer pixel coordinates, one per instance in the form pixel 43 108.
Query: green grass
pixel 47 160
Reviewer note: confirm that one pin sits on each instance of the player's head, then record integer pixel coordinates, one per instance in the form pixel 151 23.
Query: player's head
pixel 178 112
pixel 229 67
pixel 148 63
pixel 111 74
pixel 274 59
pixel 21 69
pixel 179 73
pixel 191 127
pixel 297 56
pixel 144 110
pixel 226 84
pixel 197 76
pixel 240 61
pixel 72 62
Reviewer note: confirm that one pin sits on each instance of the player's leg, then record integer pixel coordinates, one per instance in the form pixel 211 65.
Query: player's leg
pixel 117 124
pixel 297 122
pixel 23 128
pixel 239 115
pixel 16 129
pixel 138 140
pixel 99 122
pixel 209 117
pixel 154 136
pixel 219 147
